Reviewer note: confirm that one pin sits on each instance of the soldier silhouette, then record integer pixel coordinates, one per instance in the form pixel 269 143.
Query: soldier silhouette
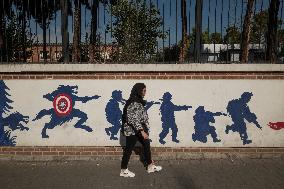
pixel 202 120
pixel 167 111
pixel 239 111
pixel 114 114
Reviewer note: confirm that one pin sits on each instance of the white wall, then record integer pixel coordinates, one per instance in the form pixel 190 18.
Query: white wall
pixel 267 103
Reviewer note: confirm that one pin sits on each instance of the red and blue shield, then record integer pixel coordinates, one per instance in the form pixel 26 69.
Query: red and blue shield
pixel 62 104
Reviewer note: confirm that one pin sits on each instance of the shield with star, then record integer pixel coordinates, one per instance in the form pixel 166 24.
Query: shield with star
pixel 62 104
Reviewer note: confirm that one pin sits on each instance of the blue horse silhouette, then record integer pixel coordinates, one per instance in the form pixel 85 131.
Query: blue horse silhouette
pixel 114 113
pixel 13 121
pixel 202 126
pixel 63 110
pixel 167 111
pixel 239 111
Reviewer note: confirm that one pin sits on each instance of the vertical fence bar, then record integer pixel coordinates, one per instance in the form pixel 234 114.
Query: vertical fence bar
pixel 189 28
pixel 214 42
pixel 177 59
pixel 163 33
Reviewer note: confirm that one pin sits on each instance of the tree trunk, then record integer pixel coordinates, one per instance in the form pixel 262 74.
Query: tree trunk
pixel 94 27
pixel 246 32
pixel 271 51
pixel 184 31
pixel 198 33
pixel 44 40
pixel 64 30
pixel 77 32
pixel 24 34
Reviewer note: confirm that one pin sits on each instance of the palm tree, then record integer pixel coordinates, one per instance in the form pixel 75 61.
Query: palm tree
pixel 271 51
pixel 246 32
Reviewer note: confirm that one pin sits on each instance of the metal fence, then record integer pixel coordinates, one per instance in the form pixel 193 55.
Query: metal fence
pixel 140 31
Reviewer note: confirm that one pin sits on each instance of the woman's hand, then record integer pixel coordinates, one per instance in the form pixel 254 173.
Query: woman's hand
pixel 145 135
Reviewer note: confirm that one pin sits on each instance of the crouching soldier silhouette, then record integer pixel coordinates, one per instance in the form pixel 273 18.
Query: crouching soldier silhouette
pixel 202 120
pixel 239 111
pixel 167 111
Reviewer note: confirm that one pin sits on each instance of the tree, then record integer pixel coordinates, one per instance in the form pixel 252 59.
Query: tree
pixel 216 38
pixel 259 27
pixel 169 54
pixel 77 30
pixel 6 10
pixel 233 35
pixel 246 32
pixel 16 42
pixel 205 37
pixel 136 29
pixel 5 139
pixel 271 50
pixel 184 31
pixel 43 11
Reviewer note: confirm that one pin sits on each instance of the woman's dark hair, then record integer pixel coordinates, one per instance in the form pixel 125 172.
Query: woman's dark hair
pixel 135 96
pixel 137 90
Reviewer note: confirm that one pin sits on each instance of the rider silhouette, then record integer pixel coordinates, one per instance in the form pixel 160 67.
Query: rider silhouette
pixel 202 126
pixel 167 111
pixel 239 111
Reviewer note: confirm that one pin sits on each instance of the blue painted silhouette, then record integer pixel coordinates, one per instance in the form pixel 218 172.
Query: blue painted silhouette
pixel 239 111
pixel 114 114
pixel 13 121
pixel 63 110
pixel 167 111
pixel 202 127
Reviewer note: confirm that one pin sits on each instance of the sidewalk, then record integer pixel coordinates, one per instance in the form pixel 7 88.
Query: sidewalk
pixel 193 174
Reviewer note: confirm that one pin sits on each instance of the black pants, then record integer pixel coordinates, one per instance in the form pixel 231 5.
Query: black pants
pixel 130 144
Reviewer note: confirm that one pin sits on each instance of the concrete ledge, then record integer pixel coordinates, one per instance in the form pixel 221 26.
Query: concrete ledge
pixel 179 156
pixel 29 68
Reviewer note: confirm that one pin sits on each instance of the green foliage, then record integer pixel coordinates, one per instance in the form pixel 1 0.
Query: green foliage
pixel 136 29
pixel 233 35
pixel 216 38
pixel 14 42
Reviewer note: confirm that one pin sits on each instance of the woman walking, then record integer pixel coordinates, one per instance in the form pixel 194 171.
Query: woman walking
pixel 135 127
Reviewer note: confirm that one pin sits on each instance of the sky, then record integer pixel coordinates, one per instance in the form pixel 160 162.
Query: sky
pixel 217 15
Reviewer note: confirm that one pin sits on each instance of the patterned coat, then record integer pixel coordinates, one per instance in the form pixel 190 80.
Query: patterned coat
pixel 137 117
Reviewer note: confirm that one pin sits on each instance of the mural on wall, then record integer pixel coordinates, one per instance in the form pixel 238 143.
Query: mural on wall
pixel 221 120
pixel 202 127
pixel 239 112
pixel 167 111
pixel 63 99
pixel 114 113
pixel 276 125
pixel 13 121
